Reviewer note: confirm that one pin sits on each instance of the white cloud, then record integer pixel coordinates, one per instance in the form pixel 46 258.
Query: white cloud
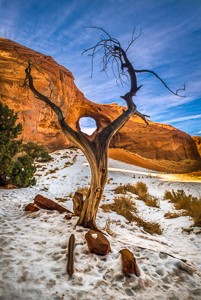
pixel 181 119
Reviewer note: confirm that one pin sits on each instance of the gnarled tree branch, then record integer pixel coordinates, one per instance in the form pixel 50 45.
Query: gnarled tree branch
pixel 163 82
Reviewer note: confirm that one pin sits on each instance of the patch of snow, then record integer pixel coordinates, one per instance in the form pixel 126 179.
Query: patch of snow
pixel 94 236
pixel 33 247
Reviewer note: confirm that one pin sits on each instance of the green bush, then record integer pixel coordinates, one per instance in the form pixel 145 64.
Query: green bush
pixel 23 170
pixel 9 147
pixel 16 159
pixel 37 152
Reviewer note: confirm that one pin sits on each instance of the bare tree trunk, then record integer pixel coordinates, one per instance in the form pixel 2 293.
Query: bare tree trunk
pixel 93 198
pixel 95 152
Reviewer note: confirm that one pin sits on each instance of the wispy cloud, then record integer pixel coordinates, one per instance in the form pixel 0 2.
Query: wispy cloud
pixel 181 119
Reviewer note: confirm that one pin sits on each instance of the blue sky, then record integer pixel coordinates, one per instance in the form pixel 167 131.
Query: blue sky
pixel 170 44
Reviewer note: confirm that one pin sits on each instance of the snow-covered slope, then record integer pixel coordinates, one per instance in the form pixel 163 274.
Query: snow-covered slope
pixel 33 247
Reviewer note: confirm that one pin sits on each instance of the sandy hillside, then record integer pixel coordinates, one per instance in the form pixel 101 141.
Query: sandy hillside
pixel 161 165
pixel 33 247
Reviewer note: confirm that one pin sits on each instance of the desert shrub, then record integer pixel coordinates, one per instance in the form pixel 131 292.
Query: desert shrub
pixel 16 158
pixel 150 227
pixel 9 146
pixel 120 189
pixel 141 190
pixel 23 170
pixel 37 152
pixel 192 205
pixel 125 207
pixel 151 201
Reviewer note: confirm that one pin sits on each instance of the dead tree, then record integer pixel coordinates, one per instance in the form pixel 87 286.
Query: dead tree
pixel 96 149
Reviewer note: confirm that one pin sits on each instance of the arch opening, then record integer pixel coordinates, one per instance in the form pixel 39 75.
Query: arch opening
pixel 87 125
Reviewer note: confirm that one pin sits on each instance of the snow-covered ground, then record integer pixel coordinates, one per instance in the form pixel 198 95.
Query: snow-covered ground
pixel 33 247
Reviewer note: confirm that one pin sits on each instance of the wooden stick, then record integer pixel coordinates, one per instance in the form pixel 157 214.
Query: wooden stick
pixel 70 263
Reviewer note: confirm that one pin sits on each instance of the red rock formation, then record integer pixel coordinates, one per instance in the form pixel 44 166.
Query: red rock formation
pixel 197 140
pixel 156 141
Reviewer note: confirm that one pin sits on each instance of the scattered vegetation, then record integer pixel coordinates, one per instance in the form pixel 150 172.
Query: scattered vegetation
pixel 108 229
pixel 125 207
pixel 123 189
pixel 191 205
pixel 141 190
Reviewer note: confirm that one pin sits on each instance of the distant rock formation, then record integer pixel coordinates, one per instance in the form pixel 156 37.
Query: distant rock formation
pixel 156 141
pixel 197 140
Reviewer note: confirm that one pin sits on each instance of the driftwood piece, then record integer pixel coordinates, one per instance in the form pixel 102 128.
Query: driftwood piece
pixel 70 262
pixel 129 264
pixel 46 203
pixel 77 203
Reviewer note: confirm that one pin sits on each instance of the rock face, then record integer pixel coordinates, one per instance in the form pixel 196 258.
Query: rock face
pixel 197 140
pixel 156 141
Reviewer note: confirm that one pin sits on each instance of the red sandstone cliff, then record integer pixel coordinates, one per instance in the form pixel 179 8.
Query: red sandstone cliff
pixel 156 141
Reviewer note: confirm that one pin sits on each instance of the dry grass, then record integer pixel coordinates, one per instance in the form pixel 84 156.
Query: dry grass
pixel 192 205
pixel 108 229
pixel 152 201
pixel 173 215
pixel 121 189
pixel 141 190
pixel 125 207
pixel 150 227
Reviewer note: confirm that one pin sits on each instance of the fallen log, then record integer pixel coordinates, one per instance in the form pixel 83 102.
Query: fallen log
pixel 46 203
pixel 70 263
